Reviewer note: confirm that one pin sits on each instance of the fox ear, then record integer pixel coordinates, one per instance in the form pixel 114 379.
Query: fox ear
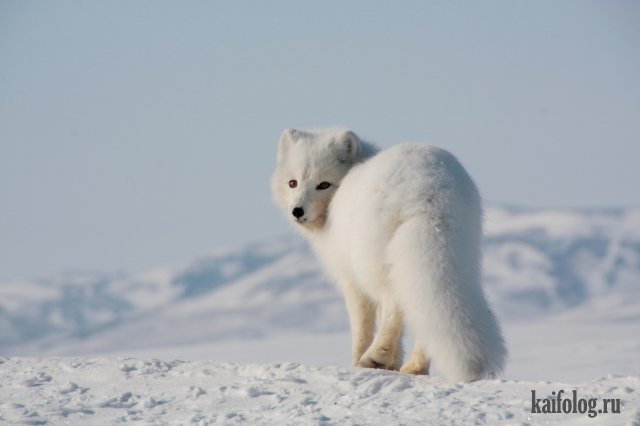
pixel 345 144
pixel 287 137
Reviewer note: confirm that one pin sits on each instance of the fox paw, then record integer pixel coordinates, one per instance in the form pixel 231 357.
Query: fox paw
pixel 415 368
pixel 381 359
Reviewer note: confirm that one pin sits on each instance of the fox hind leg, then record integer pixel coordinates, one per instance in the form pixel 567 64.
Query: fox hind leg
pixel 419 362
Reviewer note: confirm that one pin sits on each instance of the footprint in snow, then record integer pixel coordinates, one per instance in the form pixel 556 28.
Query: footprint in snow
pixel 37 380
pixel 126 400
pixel 71 387
pixel 195 391
pixel 32 418
pixel 254 392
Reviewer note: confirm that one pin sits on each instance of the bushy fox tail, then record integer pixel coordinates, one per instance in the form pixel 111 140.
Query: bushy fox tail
pixel 435 269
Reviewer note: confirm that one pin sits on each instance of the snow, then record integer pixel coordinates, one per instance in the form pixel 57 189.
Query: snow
pixel 257 334
pixel 151 391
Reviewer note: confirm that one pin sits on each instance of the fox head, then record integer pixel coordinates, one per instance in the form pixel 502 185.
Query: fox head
pixel 310 167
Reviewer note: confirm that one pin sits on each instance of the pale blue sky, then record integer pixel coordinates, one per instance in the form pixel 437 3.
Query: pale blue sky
pixel 138 133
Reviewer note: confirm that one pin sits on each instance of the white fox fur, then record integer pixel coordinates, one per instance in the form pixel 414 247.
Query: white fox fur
pixel 400 231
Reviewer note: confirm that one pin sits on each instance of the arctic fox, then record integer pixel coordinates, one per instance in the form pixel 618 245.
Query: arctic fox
pixel 400 231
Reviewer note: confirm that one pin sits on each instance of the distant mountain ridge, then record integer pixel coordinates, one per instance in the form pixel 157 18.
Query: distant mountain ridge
pixel 545 260
pixel 535 262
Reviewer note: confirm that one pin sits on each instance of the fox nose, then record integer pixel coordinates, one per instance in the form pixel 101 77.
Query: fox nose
pixel 298 212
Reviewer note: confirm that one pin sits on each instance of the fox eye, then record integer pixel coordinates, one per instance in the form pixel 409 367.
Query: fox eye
pixel 293 183
pixel 323 185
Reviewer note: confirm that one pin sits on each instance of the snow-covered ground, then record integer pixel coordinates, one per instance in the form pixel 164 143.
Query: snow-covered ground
pixel 108 391
pixel 257 334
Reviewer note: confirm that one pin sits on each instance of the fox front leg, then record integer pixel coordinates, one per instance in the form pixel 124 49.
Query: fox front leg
pixel 386 349
pixel 362 316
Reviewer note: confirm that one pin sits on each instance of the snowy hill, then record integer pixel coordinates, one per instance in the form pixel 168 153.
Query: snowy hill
pixel 246 292
pixel 252 303
pixel 547 261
